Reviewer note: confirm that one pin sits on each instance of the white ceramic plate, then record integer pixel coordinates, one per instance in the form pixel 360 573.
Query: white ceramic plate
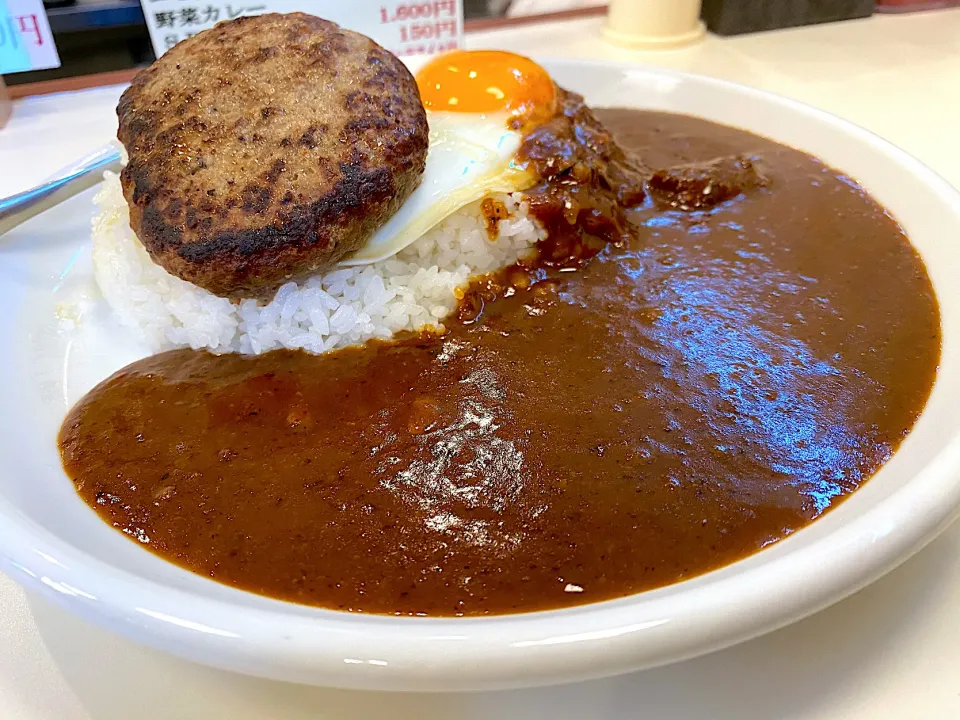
pixel 52 543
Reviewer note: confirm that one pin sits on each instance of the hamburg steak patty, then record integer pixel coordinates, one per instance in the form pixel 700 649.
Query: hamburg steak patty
pixel 266 149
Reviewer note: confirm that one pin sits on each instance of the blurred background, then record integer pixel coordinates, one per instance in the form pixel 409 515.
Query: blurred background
pixel 98 36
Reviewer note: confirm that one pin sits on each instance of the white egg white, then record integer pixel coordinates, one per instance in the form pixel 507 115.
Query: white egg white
pixel 470 156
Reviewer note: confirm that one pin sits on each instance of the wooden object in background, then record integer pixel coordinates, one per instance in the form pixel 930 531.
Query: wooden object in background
pixel 5 105
pixel 733 17
pixel 897 6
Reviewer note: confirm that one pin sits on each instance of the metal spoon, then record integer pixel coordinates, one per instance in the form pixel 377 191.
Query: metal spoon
pixel 85 173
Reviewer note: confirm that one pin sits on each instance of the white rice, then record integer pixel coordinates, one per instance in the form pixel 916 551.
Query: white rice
pixel 345 306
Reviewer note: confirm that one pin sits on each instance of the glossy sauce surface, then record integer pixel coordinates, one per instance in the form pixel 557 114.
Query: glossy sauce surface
pixel 687 397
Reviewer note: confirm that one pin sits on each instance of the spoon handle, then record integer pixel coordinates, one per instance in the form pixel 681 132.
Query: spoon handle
pixel 84 174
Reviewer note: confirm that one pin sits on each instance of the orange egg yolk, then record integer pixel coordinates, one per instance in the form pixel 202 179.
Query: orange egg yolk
pixel 480 81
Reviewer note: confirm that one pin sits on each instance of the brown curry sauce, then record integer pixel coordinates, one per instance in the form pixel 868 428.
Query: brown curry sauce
pixel 717 376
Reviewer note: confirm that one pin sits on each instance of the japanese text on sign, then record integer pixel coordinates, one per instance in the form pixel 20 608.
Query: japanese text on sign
pixel 26 42
pixel 424 28
pixel 405 28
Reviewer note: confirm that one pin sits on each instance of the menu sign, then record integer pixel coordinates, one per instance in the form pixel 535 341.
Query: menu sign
pixel 26 42
pixel 405 27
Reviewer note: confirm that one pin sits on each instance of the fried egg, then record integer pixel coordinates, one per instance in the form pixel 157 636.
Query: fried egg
pixel 477 104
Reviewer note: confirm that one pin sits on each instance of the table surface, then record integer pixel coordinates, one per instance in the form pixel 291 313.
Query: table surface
pixel 890 651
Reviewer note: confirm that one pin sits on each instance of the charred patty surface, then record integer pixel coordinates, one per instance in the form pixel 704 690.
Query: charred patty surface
pixel 266 149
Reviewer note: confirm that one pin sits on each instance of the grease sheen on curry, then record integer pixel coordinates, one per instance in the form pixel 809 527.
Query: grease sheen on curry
pixel 684 399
